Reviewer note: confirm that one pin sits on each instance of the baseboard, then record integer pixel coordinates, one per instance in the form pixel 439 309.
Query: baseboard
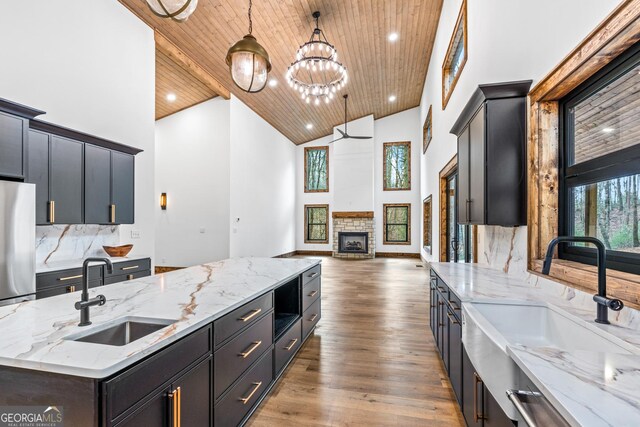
pixel 287 254
pixel 314 253
pixel 397 255
pixel 330 253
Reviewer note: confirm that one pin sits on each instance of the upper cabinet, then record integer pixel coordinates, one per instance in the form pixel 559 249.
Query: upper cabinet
pixel 491 134
pixel 14 128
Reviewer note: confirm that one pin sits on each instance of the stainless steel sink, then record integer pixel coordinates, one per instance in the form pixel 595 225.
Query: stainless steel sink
pixel 122 331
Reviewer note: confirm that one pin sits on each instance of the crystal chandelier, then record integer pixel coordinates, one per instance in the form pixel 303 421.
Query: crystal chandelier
pixel 178 10
pixel 316 73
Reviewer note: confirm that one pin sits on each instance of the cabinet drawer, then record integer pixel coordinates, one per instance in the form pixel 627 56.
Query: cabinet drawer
pixel 442 288
pixel 455 304
pixel 124 277
pixel 242 397
pixel 288 345
pixel 238 355
pixel 310 293
pixel 67 277
pixel 310 318
pixel 52 291
pixel 310 274
pixel 240 318
pixel 129 387
pixel 129 267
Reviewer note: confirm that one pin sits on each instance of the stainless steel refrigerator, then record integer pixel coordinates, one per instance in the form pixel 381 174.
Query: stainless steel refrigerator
pixel 17 242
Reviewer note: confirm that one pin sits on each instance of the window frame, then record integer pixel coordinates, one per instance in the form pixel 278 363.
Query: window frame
pixel 306 170
pixel 306 224
pixel 427 130
pixel 386 145
pixel 607 167
pixel 461 24
pixel 385 224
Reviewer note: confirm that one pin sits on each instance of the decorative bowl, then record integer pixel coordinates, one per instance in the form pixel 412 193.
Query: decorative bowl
pixel 118 251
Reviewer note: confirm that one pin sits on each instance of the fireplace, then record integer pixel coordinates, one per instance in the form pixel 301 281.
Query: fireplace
pixel 353 243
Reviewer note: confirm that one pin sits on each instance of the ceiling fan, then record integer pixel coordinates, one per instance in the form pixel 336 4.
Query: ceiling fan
pixel 345 134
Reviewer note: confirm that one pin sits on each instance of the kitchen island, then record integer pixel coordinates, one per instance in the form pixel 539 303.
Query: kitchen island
pixel 217 337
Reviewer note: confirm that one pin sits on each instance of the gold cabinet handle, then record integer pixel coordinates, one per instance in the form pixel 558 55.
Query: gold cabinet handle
pixel 476 380
pixel 112 213
pixel 52 211
pixel 252 315
pixel 313 294
pixel 179 390
pixel 247 352
pixel 173 398
pixel 130 268
pixel 245 400
pixel 312 275
pixel 452 319
pixel 65 279
pixel 314 317
pixel 290 346
pixel 71 288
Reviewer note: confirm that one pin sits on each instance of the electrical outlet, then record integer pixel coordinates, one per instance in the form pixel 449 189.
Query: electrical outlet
pixel 202 230
pixel 135 234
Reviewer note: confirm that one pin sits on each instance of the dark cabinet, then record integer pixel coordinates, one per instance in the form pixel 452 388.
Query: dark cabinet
pixel 122 187
pixel 38 173
pixel 153 412
pixel 455 353
pixel 14 127
pixel 491 133
pixel 191 395
pixel 66 181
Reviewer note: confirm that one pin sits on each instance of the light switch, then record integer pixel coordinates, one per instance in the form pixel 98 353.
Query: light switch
pixel 135 234
pixel 202 230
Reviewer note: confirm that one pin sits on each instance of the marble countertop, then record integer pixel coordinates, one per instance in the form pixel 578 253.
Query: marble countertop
pixel 588 388
pixel 33 332
pixel 77 263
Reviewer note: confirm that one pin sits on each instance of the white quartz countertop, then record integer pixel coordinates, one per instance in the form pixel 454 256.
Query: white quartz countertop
pixel 77 263
pixel 588 388
pixel 33 332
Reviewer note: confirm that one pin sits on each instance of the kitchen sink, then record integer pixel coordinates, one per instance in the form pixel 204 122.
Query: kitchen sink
pixel 122 331
pixel 489 328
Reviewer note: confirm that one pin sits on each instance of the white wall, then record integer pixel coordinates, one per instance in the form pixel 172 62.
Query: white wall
pixel 263 178
pixel 91 67
pixel 507 40
pixel 192 167
pixel 367 195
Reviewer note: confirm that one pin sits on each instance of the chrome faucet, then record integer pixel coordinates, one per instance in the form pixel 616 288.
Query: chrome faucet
pixel 84 303
pixel 603 303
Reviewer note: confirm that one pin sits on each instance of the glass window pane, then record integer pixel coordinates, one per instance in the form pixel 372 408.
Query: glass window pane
pixel 396 158
pixel 397 214
pixel 317 232
pixel 317 215
pixel 607 210
pixel 607 121
pixel 316 161
pixel 396 233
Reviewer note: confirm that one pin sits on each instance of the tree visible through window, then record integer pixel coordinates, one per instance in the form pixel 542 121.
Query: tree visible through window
pixel 397 224
pixel 316 220
pixel 456 56
pixel 316 169
pixel 397 166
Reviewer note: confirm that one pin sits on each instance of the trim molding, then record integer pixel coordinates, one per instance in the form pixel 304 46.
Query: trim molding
pixel 398 255
pixel 354 214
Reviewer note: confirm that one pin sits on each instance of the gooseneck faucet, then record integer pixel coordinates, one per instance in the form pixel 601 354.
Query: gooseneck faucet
pixel 603 303
pixel 84 303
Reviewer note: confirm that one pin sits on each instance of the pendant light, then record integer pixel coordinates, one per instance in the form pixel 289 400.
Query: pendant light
pixel 178 10
pixel 249 62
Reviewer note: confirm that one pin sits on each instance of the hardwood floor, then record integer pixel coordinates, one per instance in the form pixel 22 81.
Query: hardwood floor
pixel 372 360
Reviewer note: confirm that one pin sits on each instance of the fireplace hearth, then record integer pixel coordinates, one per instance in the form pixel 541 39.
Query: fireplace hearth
pixel 353 243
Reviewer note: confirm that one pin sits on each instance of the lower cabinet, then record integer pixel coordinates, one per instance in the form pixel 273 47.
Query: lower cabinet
pixel 287 346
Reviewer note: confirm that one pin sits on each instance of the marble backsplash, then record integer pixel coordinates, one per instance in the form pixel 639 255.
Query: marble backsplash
pixel 503 248
pixel 59 243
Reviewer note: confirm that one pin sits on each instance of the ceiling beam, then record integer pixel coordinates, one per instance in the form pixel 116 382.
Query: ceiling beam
pixel 176 54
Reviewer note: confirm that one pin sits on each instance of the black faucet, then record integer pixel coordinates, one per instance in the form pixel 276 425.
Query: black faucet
pixel 603 303
pixel 84 303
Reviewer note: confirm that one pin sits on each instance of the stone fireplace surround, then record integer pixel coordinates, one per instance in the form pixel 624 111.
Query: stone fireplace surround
pixel 360 221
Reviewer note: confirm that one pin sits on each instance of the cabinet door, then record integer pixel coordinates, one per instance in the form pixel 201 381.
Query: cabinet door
pixel 153 412
pixel 432 306
pixel 122 187
pixel 494 416
pixel 464 161
pixel 472 391
pixel 97 185
pixel 444 332
pixel 66 180
pixel 12 136
pixel 195 396
pixel 455 354
pixel 477 168
pixel 38 173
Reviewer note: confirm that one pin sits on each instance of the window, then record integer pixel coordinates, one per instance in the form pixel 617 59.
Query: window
pixel 316 169
pixel 397 224
pixel 397 166
pixel 600 165
pixel 427 132
pixel 316 223
pixel 426 225
pixel 456 56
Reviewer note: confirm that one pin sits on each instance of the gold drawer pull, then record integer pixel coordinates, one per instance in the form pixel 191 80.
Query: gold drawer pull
pixel 130 268
pixel 314 317
pixel 52 211
pixel 71 288
pixel 112 214
pixel 64 279
pixel 452 319
pixel 245 400
pixel 313 294
pixel 246 353
pixel 312 275
pixel 290 346
pixel 176 397
pixel 252 315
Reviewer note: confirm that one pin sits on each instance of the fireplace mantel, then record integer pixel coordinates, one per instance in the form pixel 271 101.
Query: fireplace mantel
pixel 355 214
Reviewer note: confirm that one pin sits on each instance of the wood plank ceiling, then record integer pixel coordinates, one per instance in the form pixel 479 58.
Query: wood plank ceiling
pixel 359 30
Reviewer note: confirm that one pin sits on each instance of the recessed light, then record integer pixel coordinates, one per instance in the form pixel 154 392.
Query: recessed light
pixel 273 83
pixel 309 126
pixel 608 130
pixel 171 97
pixel 393 37
pixel 392 98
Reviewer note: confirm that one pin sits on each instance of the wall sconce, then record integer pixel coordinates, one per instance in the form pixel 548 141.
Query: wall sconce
pixel 163 201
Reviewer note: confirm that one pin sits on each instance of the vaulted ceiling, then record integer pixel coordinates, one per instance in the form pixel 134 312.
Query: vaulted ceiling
pixel 359 29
